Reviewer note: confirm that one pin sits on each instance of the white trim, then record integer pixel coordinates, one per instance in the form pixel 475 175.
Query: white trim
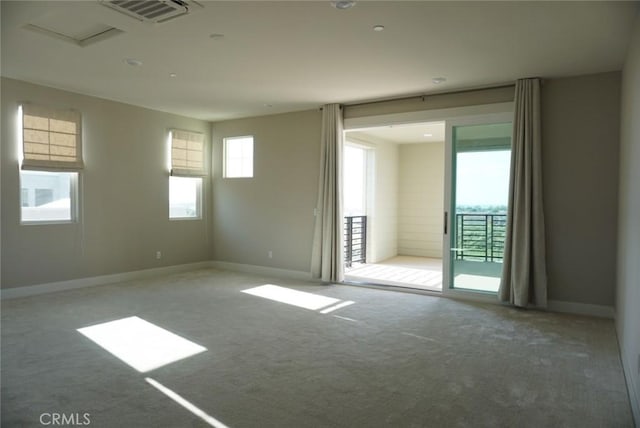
pixel 632 388
pixel 225 161
pixel 263 270
pixel 32 290
pixel 472 295
pixel 51 287
pixel 396 288
pixel 355 123
pixel 474 117
pixel 200 202
pixel 600 311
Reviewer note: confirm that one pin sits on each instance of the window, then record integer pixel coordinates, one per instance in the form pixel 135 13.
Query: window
pixel 51 138
pixel 43 196
pixel 50 164
pixel 48 196
pixel 187 169
pixel 24 197
pixel 185 195
pixel 238 157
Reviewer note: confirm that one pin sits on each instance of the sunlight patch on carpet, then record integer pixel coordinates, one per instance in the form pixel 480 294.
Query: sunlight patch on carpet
pixel 336 307
pixel 141 344
pixel 186 404
pixel 292 297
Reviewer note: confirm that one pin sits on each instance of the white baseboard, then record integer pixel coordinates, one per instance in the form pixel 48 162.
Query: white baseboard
pixel 32 290
pixel 263 270
pixel 599 311
pixel 633 388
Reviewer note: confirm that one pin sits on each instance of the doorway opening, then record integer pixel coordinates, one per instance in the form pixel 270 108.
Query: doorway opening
pixel 479 194
pixel 394 181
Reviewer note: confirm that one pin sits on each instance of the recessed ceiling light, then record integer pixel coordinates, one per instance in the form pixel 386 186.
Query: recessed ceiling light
pixel 378 28
pixel 428 135
pixel 173 75
pixel 439 80
pixel 133 62
pixel 343 4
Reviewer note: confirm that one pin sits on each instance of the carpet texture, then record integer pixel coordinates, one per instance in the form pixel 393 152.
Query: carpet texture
pixel 389 360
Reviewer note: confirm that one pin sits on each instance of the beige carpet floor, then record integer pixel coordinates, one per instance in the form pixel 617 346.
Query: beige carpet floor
pixel 387 360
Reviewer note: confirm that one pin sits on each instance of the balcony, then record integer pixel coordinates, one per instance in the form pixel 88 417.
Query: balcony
pixel 355 240
pixel 477 256
pixel 480 237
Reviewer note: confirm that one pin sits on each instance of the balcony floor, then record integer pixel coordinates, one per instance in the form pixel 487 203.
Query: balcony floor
pixel 404 271
pixel 425 273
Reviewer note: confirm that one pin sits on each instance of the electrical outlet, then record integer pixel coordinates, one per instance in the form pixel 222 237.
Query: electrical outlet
pixel 158 255
pixel 270 254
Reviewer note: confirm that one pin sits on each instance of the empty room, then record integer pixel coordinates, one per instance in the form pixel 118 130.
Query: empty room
pixel 320 213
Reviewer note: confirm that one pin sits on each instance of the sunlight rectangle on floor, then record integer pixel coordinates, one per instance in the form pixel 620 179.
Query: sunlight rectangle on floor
pixel 141 344
pixel 186 404
pixel 292 297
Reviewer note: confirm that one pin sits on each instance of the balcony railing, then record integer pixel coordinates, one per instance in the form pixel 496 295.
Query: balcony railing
pixel 480 237
pixel 355 240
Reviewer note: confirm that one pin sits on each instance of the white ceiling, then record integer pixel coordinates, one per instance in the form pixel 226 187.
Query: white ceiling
pixel 430 132
pixel 295 55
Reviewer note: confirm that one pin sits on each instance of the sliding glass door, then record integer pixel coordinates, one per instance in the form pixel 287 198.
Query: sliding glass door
pixel 479 183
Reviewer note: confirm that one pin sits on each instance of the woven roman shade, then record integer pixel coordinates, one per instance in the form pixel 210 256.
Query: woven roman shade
pixel 51 138
pixel 187 153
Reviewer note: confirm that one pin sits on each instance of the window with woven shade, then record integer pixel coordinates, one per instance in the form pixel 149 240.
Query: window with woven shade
pixel 51 139
pixel 50 165
pixel 188 166
pixel 187 153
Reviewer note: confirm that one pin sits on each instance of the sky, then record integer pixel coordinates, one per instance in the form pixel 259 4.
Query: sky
pixel 482 178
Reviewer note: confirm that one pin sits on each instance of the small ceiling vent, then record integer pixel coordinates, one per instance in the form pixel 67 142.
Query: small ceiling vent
pixel 151 10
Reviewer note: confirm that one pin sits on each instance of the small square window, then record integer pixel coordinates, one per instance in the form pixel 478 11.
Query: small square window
pixel 238 157
pixel 48 197
pixel 185 196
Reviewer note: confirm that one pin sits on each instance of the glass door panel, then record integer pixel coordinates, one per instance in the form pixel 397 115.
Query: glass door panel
pixel 480 186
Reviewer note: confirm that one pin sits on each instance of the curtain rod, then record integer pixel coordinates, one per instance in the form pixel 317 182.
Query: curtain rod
pixel 424 96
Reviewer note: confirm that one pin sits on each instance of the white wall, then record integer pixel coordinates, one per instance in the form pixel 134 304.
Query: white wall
pixel 628 284
pixel 420 199
pixel 384 212
pixel 382 199
pixel 124 195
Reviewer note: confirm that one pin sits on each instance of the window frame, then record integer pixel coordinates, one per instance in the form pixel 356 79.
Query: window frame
pixel 225 159
pixel 74 195
pixel 185 171
pixel 73 168
pixel 199 198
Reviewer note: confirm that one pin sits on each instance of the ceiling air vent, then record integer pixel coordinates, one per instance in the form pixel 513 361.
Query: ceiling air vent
pixel 151 10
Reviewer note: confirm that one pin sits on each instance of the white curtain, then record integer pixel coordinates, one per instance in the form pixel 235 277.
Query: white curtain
pixel 524 273
pixel 327 256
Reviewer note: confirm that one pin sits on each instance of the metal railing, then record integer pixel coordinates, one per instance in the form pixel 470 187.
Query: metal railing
pixel 355 240
pixel 480 237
